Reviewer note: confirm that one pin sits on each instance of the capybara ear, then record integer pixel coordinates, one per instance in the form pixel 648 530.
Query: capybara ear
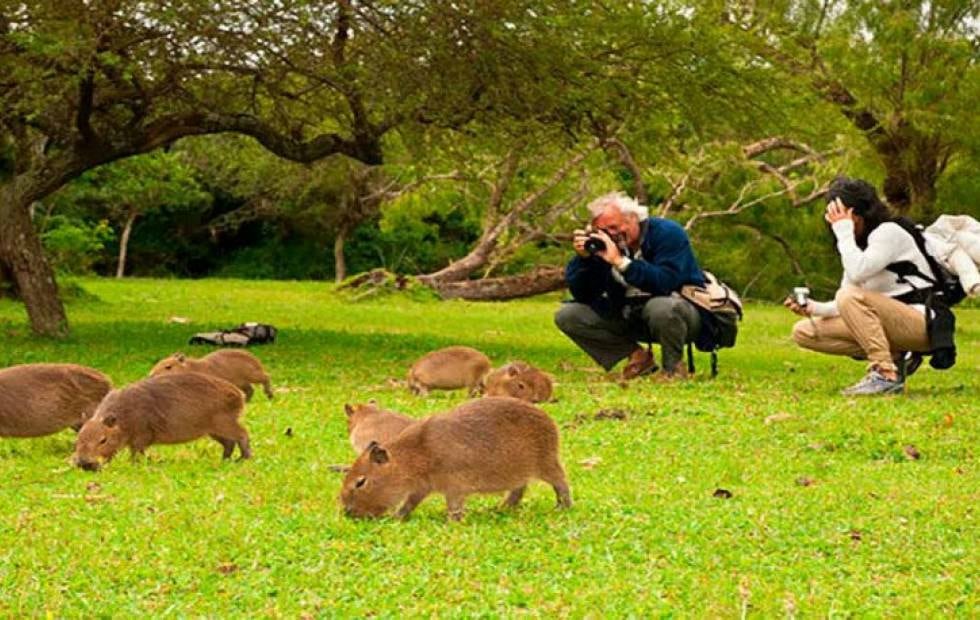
pixel 348 409
pixel 180 357
pixel 378 454
pixel 512 370
pixel 373 402
pixel 109 421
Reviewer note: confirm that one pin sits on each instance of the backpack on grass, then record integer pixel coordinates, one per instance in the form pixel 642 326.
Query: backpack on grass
pixel 242 336
pixel 721 310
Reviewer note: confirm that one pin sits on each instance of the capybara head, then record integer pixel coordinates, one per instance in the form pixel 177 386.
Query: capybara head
pixel 97 442
pixel 174 363
pixel 357 413
pixel 374 485
pixel 508 382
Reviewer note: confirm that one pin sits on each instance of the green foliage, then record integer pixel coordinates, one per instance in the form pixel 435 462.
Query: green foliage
pixel 74 245
pixel 828 515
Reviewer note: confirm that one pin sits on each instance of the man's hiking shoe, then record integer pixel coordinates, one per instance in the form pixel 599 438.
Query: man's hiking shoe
pixel 874 384
pixel 639 364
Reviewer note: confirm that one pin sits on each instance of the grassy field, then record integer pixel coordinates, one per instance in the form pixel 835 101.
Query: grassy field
pixel 829 514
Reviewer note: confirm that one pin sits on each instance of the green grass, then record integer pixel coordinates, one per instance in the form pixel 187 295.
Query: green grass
pixel 875 534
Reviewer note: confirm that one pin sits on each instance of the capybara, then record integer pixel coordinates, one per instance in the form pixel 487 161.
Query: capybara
pixel 367 423
pixel 520 380
pixel 487 445
pixel 173 408
pixel 451 368
pixel 41 399
pixel 240 368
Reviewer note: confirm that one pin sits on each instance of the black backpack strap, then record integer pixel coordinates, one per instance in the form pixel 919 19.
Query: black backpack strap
pixel 903 269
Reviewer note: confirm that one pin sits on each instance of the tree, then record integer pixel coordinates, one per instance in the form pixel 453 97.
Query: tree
pixel 87 83
pixel 126 190
pixel 903 74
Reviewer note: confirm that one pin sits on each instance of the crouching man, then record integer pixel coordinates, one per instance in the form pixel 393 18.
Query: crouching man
pixel 624 281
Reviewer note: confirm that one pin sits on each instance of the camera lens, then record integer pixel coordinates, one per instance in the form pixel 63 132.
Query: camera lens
pixel 593 245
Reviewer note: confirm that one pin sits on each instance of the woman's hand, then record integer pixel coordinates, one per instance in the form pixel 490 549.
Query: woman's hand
pixel 796 308
pixel 837 211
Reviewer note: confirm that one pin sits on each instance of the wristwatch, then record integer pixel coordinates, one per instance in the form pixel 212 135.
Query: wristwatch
pixel 624 263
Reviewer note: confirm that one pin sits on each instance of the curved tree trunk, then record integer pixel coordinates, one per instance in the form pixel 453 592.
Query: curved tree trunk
pixel 124 244
pixel 23 257
pixel 340 263
pixel 541 280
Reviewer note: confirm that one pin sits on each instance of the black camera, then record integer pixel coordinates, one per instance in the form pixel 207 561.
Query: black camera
pixel 594 245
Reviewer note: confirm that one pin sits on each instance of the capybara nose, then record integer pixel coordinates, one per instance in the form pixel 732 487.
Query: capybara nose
pixel 87 465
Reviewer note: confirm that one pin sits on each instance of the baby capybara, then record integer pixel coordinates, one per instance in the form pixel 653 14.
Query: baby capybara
pixel 240 368
pixel 520 380
pixel 41 399
pixel 173 408
pixel 488 445
pixel 451 368
pixel 367 423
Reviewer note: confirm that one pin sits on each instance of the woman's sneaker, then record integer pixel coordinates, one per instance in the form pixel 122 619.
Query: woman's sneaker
pixel 875 383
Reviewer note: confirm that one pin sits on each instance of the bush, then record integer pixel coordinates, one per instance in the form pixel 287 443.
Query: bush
pixel 74 245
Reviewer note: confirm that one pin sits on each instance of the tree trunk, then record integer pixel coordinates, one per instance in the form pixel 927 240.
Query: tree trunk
pixel 124 244
pixel 23 256
pixel 541 280
pixel 913 164
pixel 339 262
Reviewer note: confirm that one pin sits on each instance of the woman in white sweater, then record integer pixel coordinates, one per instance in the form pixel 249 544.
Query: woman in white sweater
pixel 873 315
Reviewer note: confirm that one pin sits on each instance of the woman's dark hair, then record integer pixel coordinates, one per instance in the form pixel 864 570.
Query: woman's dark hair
pixel 859 195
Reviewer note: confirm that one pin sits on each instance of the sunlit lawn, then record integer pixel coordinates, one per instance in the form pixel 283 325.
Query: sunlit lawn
pixel 828 514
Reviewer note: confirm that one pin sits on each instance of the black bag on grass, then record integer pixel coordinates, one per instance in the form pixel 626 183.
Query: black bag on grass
pixel 244 335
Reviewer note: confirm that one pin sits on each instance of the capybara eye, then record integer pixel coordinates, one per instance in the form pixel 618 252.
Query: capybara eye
pixel 104 439
pixel 360 482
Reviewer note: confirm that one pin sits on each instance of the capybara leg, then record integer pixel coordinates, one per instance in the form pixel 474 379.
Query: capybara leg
pixel 227 444
pixel 515 496
pixel 229 428
pixel 248 392
pixel 455 504
pixel 413 500
pixel 243 445
pixel 555 476
pixel 267 388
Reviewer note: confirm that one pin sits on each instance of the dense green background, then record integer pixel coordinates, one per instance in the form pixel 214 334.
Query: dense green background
pixel 875 534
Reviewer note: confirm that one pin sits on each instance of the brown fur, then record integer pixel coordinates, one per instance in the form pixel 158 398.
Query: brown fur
pixel 240 368
pixel 488 445
pixel 367 423
pixel 41 399
pixel 520 380
pixel 451 368
pixel 174 408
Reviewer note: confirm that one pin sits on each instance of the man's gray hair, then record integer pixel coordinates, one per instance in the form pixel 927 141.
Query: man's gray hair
pixel 621 201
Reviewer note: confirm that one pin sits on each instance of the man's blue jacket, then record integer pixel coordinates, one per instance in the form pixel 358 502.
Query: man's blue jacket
pixel 668 264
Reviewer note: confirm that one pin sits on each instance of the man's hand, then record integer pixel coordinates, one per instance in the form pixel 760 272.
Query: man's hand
pixel 611 254
pixel 578 242
pixel 837 211
pixel 796 308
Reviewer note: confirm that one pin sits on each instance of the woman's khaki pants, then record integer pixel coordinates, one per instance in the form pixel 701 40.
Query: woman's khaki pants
pixel 871 326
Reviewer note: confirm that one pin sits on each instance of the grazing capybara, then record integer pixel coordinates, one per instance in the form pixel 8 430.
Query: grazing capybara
pixel 451 368
pixel 520 380
pixel 173 408
pixel 367 423
pixel 41 399
pixel 240 368
pixel 488 445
